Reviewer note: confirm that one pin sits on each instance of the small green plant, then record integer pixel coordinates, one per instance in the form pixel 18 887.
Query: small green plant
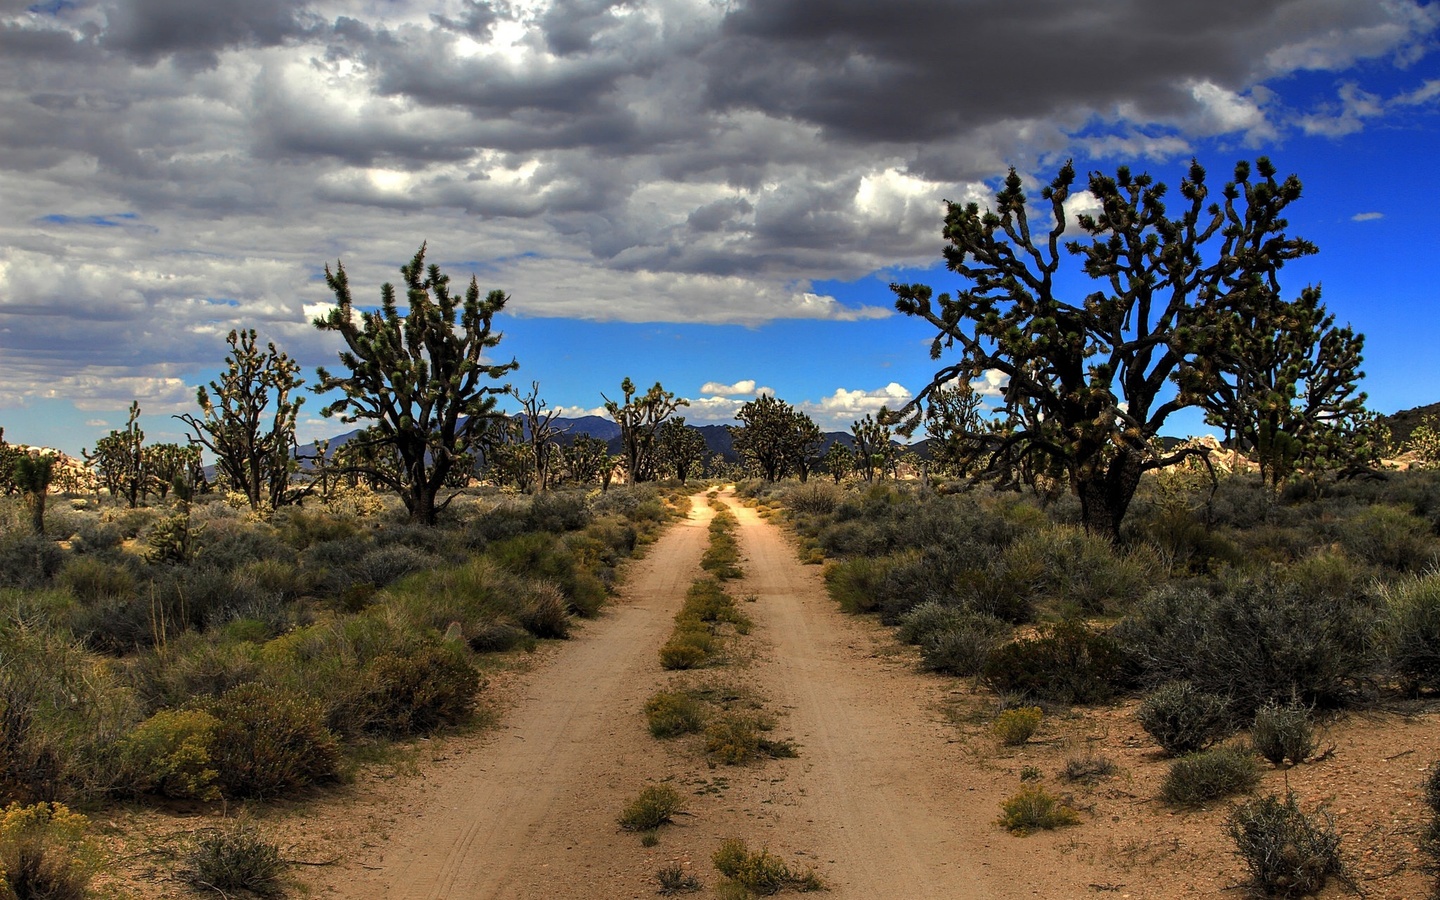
pixel 234 858
pixel 1182 719
pixel 44 853
pixel 1016 726
pixel 760 871
pixel 1030 773
pixel 1089 768
pixel 270 742
pixel 675 880
pixel 1034 809
pixel 688 648
pixel 1209 775
pixel 656 805
pixel 736 739
pixel 673 713
pixel 1288 853
pixel 1283 732
pixel 170 754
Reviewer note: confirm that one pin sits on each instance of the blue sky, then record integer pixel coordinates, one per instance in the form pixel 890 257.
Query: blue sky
pixel 714 197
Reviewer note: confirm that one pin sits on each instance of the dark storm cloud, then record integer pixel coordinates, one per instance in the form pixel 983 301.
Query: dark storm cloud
pixel 195 31
pixel 922 70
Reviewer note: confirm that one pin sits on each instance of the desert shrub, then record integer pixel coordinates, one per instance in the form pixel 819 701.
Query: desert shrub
pixel 543 556
pixel 963 645
pixel 90 579
pixel 1256 639
pixel 1430 832
pixel 302 528
pixel 855 583
pixel 234 858
pixel 1085 570
pixel 760 871
pixel 813 499
pixel 271 742
pixel 1035 809
pixel 1006 586
pixel 557 512
pixel 62 712
pixel 656 805
pixel 1089 768
pixel 332 564
pixel 706 601
pixel 1182 719
pixel 29 561
pixel 673 879
pixel 736 739
pixel 1066 663
pixel 189 668
pixel 95 537
pixel 418 691
pixel 689 648
pixel 1017 725
pixel 497 637
pixel 1209 775
pixel 235 544
pixel 673 713
pixel 386 565
pixel 1388 536
pixel 1283 732
pixel 170 754
pixel 1288 853
pixel 282 579
pixel 928 618
pixel 543 612
pixel 1412 631
pixel 44 854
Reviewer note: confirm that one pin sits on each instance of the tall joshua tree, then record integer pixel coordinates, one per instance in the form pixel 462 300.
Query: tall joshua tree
pixel 247 419
pixel 1091 376
pixel 419 378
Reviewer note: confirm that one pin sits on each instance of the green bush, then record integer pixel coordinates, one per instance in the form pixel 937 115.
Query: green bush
pixel 546 557
pixel 673 713
pixel 44 854
pixel 29 561
pixel 928 618
pixel 963 645
pixel 1035 809
pixel 1255 639
pixel 543 612
pixel 271 742
pixel 234 859
pixel 170 754
pixel 1017 725
pixel 1182 719
pixel 689 648
pixel 674 880
pixel 760 871
pixel 1283 732
pixel 1066 663
pixel 736 739
pixel 418 691
pixel 855 583
pixel 1412 632
pixel 1209 775
pixel 656 805
pixel 1388 536
pixel 1288 853
pixel 92 580
pixel 191 668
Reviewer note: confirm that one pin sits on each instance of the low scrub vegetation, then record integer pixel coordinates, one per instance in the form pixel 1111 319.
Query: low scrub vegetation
pixel 1183 719
pixel 1288 853
pixel 1035 809
pixel 1199 778
pixel 657 805
pixel 45 853
pixel 760 871
pixel 234 858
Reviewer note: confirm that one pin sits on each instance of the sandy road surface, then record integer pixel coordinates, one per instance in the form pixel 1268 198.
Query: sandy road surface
pixel 880 801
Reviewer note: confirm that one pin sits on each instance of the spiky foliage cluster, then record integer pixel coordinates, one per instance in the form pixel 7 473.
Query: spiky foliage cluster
pixel 119 460
pixel 247 419
pixel 873 451
pixel 420 380
pixel 640 417
pixel 778 438
pixel 1088 379
pixel 679 447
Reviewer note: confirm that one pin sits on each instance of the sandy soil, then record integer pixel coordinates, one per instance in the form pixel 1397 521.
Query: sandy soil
pixel 894 794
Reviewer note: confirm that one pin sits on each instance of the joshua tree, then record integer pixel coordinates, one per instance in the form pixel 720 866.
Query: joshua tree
pixel 640 417
pixel 420 380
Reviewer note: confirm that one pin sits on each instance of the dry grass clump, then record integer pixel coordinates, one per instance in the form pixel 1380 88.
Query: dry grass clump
pixel 1035 809
pixel 1288 853
pixel 760 871
pixel 1016 726
pixel 656 805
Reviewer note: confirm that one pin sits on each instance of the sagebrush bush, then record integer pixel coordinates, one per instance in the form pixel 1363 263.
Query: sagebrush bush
pixel 542 611
pixel 656 805
pixel 1015 726
pixel 1183 719
pixel 735 739
pixel 44 853
pixel 1035 809
pixel 673 713
pixel 963 645
pixel 1288 853
pixel 92 580
pixel 1209 775
pixel 673 879
pixel 271 742
pixel 418 691
pixel 1387 536
pixel 170 754
pixel 190 668
pixel 760 871
pixel 928 618
pixel 1412 631
pixel 1255 639
pixel 234 858
pixel 29 561
pixel 689 647
pixel 1066 663
pixel 1089 768
pixel 1282 733
pixel 855 583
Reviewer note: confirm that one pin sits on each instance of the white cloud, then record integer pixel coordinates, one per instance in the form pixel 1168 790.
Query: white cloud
pixel 991 383
pixel 837 411
pixel 714 388
pixel 1421 95
pixel 579 412
pixel 1367 216
pixel 1347 116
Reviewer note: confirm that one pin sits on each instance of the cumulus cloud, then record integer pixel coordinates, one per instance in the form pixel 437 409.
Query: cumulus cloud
pixel 844 406
pixel 743 387
pixel 1367 216
pixel 177 168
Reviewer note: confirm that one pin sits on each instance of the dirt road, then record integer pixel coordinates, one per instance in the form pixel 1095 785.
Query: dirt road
pixel 879 800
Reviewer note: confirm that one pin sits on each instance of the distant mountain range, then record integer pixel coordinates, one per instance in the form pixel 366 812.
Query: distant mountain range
pixel 1406 421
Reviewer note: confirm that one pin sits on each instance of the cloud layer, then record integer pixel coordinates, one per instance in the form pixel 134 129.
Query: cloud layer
pixel 176 168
